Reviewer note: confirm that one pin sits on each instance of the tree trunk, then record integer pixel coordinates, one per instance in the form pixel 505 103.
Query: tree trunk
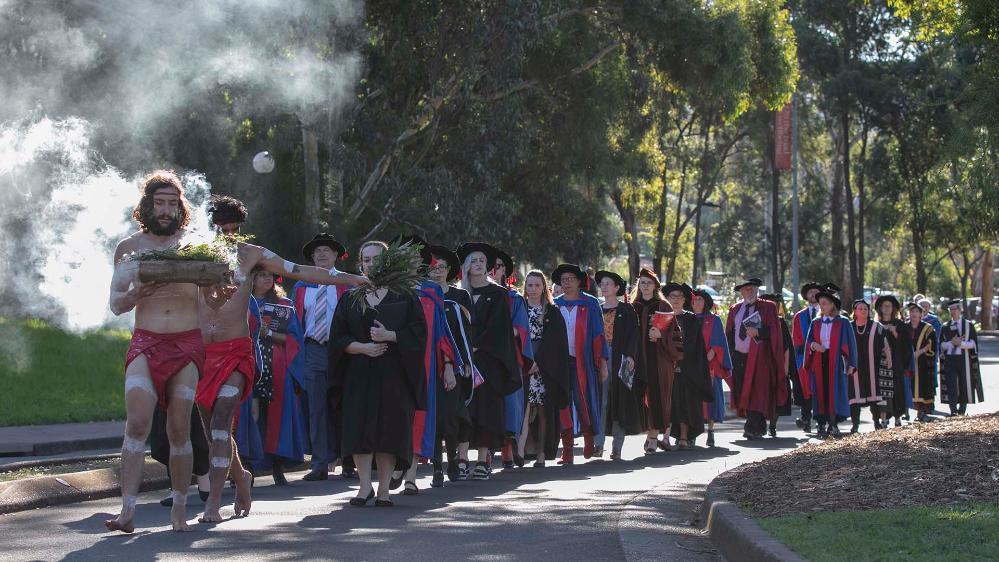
pixel 837 250
pixel 917 250
pixel 775 281
pixel 631 228
pixel 697 242
pixel 312 203
pixel 659 250
pixel 987 288
pixel 671 267
pixel 861 210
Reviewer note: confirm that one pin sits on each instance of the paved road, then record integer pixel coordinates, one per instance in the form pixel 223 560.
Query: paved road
pixel 640 508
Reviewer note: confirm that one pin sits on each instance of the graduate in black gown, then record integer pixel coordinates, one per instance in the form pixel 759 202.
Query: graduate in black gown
pixel 899 340
pixel 624 393
pixel 872 355
pixel 377 379
pixel 961 376
pixel 692 378
pixel 454 425
pixel 494 353
pixel 548 378
pixel 922 374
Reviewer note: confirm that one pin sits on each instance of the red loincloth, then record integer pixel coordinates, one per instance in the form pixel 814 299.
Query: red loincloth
pixel 221 359
pixel 166 355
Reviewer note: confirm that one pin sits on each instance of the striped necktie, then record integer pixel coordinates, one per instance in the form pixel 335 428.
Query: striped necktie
pixel 320 326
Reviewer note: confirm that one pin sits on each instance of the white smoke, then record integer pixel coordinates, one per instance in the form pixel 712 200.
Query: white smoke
pixel 87 82
pixel 80 208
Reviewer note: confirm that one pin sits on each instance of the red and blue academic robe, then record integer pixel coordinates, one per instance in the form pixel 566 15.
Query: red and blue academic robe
pixel 828 370
pixel 584 411
pixel 298 297
pixel 283 427
pixel 800 325
pixel 720 367
pixel 515 403
pixel 764 384
pixel 440 348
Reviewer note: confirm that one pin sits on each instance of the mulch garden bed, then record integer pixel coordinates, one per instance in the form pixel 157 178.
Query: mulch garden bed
pixel 951 461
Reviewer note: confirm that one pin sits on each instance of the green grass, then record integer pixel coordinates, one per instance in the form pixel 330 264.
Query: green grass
pixel 51 376
pixel 938 533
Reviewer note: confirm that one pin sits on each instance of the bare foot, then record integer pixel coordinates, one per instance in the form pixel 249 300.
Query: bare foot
pixel 243 486
pixel 120 524
pixel 211 514
pixel 178 518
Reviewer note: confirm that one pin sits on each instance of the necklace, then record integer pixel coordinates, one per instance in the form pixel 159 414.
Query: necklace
pixel 861 329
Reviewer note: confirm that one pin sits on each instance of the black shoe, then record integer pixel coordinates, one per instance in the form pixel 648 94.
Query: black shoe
pixel 518 460
pixel 410 489
pixel 361 502
pixel 834 432
pixel 316 475
pixel 773 431
pixel 855 428
pixel 711 438
pixel 438 480
pixel 384 503
pixel 821 433
pixel 800 423
pixel 279 479
pixel 507 465
pixel 747 436
pixel 349 473
pixel 452 471
pixel 395 483
pixel 898 422
pixel 167 501
pixel 539 464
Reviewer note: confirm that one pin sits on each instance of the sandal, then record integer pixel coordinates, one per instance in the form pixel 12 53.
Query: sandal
pixel 650 446
pixel 384 503
pixel 361 502
pixel 410 489
pixel 681 444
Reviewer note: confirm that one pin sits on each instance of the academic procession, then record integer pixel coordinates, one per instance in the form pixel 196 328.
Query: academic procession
pixel 447 356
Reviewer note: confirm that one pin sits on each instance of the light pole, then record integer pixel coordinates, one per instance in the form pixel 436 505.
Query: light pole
pixel 794 199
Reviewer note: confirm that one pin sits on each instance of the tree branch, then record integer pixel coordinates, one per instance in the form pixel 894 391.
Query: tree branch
pixel 533 82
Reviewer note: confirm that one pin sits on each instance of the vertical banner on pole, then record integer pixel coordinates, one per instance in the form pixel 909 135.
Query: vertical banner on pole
pixel 782 138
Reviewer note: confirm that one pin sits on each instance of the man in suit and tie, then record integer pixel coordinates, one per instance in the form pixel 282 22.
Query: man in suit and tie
pixel 315 305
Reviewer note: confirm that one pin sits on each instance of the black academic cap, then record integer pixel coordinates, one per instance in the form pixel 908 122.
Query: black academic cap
pixel 323 239
pixel 564 268
pixel 621 285
pixel 453 263
pixel 469 247
pixel 830 296
pixel 889 298
pixel 808 287
pixel 751 281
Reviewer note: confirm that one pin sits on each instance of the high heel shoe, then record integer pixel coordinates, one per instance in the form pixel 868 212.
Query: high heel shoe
pixel 361 502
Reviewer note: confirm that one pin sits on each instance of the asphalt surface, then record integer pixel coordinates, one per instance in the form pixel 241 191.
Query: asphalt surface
pixel 641 508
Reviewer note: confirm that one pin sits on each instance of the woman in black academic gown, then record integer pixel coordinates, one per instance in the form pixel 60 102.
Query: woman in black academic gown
pixel 548 386
pixel 624 400
pixel 898 336
pixel 692 381
pixel 454 425
pixel 377 378
pixel 494 353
